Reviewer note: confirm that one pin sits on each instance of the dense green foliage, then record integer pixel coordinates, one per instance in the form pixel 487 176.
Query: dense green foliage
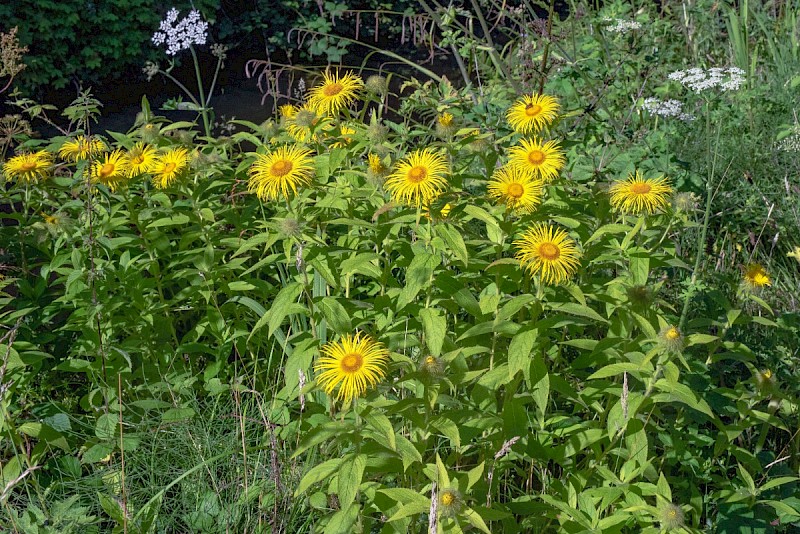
pixel 159 341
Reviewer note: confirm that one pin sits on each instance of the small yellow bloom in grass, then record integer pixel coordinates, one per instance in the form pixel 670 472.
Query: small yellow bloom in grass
pixel 169 166
pixel 542 159
pixel 142 158
pixel 354 363
pixel 335 93
pixel 532 113
pixel 280 172
pixel 445 119
pixel 30 167
pixel 81 148
pixel 548 252
pixel 636 195
pixel 517 189
pixel 112 171
pixel 419 178
pixel 795 253
pixel 756 277
pixel 450 502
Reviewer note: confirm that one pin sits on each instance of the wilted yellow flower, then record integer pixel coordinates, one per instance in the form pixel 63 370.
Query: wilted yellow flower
pixel 419 178
pixel 542 159
pixel 671 339
pixel 532 113
pixel 354 363
pixel 450 502
pixel 335 93
pixel 517 189
pixel 280 172
pixel 81 148
pixel 636 195
pixel 548 252
pixel 30 167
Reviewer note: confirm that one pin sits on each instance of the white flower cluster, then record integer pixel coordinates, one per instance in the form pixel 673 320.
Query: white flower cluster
pixel 621 25
pixel 698 79
pixel 191 30
pixel 789 144
pixel 667 108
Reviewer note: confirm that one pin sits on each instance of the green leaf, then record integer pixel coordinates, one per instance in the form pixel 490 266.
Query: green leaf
pixel 383 426
pixel 418 276
pixel 343 520
pixel 318 473
pixel 435 326
pixel 476 520
pixel 335 315
pixel 617 369
pixel 539 385
pixel 682 393
pixel 106 426
pixel 520 349
pixel 174 220
pixel 454 241
pixel 177 414
pixel 775 482
pixel 113 508
pixel 577 309
pixel 351 472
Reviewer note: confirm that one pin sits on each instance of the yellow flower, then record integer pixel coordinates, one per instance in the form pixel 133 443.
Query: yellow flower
pixel 354 363
pixel 112 171
pixel 280 172
pixel 450 502
pixel 81 148
pixel 542 159
pixel 671 339
pixel 376 165
pixel 288 111
pixel 756 277
pixel 168 167
pixel 301 124
pixel 532 113
pixel 346 137
pixel 445 119
pixel 795 253
pixel 335 93
pixel 517 189
pixel 636 195
pixel 30 167
pixel 443 213
pixel 548 252
pixel 419 178
pixel 142 159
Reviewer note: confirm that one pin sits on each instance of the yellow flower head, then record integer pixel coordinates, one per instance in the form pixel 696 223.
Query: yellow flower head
pixel 376 165
pixel 287 111
pixel 335 93
pixel 81 148
pixel 548 252
pixel 756 277
pixel 30 167
pixel 354 363
pixel 346 137
pixel 419 178
pixel 450 502
pixel 531 113
pixel 304 120
pixel 169 166
pixel 112 171
pixel 443 213
pixel 671 339
pixel 517 189
pixel 636 195
pixel 795 253
pixel 280 172
pixel 142 159
pixel 542 159
pixel 670 517
pixel 445 119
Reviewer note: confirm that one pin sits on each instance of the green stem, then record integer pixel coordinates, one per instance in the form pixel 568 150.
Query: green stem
pixel 201 92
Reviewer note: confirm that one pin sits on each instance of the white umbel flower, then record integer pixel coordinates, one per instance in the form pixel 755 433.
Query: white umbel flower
pixel 192 30
pixel 697 79
pixel 666 108
pixel 621 25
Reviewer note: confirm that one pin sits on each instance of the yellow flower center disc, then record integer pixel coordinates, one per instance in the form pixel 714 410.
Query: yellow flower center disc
pixel 673 333
pixel 352 362
pixel 282 167
pixel 536 157
pixel 515 190
pixel 106 170
pixel 417 174
pixel 332 89
pixel 137 160
pixel 168 168
pixel 641 189
pixel 430 360
pixel 531 110
pixel 549 251
pixel 28 166
pixel 447 499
